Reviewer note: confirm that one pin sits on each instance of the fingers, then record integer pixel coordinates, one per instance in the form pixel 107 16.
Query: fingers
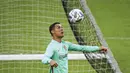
pixel 103 50
pixel 55 65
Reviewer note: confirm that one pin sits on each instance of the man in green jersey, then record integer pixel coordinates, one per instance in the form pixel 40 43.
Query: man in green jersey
pixel 57 51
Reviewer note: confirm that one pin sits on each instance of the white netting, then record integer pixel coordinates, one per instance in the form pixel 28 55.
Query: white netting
pixel 24 25
pixel 31 63
pixel 24 30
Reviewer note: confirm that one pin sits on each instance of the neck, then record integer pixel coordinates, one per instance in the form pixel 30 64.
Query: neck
pixel 57 39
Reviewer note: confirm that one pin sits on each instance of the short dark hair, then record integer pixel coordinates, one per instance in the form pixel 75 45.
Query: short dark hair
pixel 51 27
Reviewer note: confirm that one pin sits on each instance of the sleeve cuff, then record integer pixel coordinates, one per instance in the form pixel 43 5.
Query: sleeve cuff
pixel 49 60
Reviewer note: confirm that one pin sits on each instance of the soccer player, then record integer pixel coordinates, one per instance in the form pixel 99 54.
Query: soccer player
pixel 57 51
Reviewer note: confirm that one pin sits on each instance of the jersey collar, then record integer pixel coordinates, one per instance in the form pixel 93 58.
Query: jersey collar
pixel 56 41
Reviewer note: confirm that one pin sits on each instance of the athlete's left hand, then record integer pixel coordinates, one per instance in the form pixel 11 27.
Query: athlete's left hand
pixel 103 49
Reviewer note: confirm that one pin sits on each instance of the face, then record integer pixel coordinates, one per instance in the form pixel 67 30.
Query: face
pixel 58 31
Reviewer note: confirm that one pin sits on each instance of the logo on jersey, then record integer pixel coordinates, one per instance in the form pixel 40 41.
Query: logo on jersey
pixel 65 47
pixel 62 56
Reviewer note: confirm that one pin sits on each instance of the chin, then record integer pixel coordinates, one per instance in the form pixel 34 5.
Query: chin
pixel 61 36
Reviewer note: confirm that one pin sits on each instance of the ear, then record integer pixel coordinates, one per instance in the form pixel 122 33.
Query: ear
pixel 52 31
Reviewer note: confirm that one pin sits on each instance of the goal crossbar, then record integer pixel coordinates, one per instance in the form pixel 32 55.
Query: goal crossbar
pixel 37 57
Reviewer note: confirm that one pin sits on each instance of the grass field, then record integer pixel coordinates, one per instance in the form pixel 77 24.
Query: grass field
pixel 113 19
pixel 24 29
pixel 23 22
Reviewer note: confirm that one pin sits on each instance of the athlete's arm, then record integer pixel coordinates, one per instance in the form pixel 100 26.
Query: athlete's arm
pixel 75 47
pixel 47 57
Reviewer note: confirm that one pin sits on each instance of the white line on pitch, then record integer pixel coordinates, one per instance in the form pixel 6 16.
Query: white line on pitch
pixel 118 38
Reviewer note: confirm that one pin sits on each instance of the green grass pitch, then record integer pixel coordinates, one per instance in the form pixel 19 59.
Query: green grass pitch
pixel 113 18
pixel 19 17
pixel 24 30
pixel 26 22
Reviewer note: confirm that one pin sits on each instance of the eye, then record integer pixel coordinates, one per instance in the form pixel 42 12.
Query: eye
pixel 58 27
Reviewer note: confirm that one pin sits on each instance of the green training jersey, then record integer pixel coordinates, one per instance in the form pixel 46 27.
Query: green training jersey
pixel 59 52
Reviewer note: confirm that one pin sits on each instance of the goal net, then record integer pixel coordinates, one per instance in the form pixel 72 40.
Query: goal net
pixel 24 36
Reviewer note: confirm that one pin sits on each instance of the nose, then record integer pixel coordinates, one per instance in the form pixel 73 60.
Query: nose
pixel 61 28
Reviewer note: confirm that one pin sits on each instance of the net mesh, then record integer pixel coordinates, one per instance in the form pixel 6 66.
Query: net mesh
pixel 24 25
pixel 86 34
pixel 35 66
pixel 24 30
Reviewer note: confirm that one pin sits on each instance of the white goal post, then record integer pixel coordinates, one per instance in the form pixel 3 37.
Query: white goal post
pixel 37 57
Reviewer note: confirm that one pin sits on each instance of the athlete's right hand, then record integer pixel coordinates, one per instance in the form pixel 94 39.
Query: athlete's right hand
pixel 53 63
